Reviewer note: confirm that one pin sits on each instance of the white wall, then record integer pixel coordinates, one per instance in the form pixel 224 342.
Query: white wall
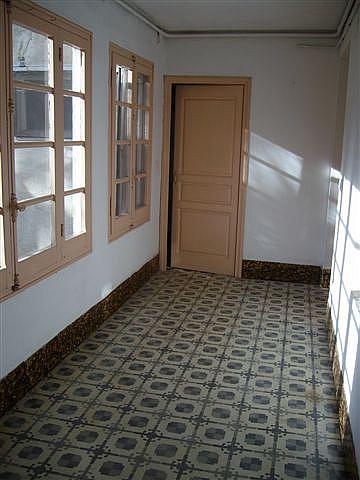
pixel 292 123
pixel 344 298
pixel 31 318
pixel 293 105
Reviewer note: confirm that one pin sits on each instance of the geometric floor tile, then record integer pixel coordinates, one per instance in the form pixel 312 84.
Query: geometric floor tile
pixel 197 377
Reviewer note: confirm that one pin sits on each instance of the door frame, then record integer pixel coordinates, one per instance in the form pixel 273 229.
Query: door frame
pixel 169 82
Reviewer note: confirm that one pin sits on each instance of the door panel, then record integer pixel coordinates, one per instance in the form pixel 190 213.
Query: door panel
pixel 206 176
pixel 206 193
pixel 208 134
pixel 204 233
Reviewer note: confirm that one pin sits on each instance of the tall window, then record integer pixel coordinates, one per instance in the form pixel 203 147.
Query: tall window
pixel 130 141
pixel 6 259
pixel 48 132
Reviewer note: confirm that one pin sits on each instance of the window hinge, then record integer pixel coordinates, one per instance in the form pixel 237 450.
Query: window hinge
pixel 60 54
pixel 11 105
pixel 61 230
pixel 16 284
pixel 15 207
pixel 8 5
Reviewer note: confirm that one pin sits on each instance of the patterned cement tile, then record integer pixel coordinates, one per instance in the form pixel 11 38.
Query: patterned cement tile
pixel 196 377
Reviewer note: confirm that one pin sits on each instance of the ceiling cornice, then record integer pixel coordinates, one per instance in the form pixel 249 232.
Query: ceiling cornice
pixel 319 34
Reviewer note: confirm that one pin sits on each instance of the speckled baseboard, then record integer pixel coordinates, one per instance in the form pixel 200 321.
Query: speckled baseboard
pixel 325 277
pixel 344 421
pixel 283 272
pixel 28 373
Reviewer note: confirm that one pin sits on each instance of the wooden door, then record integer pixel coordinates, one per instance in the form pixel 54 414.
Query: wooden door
pixel 208 132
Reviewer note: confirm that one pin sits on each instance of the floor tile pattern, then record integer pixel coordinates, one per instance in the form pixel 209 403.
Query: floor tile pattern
pixel 196 377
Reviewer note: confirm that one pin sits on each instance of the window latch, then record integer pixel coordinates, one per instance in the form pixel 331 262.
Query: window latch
pixel 15 207
pixel 16 284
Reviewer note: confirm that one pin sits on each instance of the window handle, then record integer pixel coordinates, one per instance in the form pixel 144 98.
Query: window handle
pixel 15 207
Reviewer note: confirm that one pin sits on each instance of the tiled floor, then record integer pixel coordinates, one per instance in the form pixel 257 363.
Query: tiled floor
pixel 197 377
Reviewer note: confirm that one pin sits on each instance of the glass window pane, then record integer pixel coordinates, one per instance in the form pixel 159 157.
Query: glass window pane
pixel 34 172
pixel 33 116
pixel 122 199
pixel 1 179
pixel 74 118
pixel 2 244
pixel 140 188
pixel 32 56
pixel 123 153
pixel 142 152
pixel 74 167
pixel 74 215
pixel 123 84
pixel 142 125
pixel 143 89
pixel 123 123
pixel 35 229
pixel 74 68
pixel 2 232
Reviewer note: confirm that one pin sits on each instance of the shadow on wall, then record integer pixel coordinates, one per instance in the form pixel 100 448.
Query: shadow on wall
pixel 280 203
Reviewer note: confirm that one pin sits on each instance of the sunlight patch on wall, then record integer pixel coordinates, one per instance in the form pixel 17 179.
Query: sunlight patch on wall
pixel 345 283
pixel 106 290
pixel 275 166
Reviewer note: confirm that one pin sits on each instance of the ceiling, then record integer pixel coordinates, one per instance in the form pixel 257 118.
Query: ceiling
pixel 263 16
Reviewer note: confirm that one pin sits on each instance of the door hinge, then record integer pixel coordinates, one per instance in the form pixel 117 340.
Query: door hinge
pixel 341 184
pixel 16 284
pixel 60 54
pixel 15 207
pixel 61 230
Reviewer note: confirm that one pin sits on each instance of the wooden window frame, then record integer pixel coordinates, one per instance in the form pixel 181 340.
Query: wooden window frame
pixel 6 274
pixel 64 251
pixel 118 226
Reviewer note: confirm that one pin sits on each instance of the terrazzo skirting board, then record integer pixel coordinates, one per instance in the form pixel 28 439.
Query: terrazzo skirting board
pixel 344 421
pixel 18 382
pixel 325 277
pixel 285 272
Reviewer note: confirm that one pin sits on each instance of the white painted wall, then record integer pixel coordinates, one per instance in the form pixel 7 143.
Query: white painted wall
pixel 32 317
pixel 293 106
pixel 292 123
pixel 344 298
